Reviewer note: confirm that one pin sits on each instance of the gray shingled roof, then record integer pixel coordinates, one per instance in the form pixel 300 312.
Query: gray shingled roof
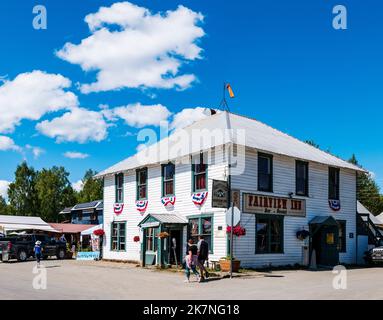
pixel 88 205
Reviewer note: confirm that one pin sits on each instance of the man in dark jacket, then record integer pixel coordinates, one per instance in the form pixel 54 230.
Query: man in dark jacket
pixel 203 256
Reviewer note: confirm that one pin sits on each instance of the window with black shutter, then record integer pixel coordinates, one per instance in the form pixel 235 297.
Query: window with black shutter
pixel 333 184
pixel 302 178
pixel 265 172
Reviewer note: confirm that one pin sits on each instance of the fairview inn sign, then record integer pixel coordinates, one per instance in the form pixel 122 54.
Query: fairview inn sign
pixel 254 203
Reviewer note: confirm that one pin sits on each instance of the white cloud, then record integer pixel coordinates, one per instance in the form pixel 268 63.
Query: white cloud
pixel 78 125
pixel 75 155
pixel 78 186
pixel 146 51
pixel 31 95
pixel 7 143
pixel 4 188
pixel 139 116
pixel 36 151
pixel 188 116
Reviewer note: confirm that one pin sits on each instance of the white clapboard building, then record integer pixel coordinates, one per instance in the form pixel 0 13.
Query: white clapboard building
pixel 294 198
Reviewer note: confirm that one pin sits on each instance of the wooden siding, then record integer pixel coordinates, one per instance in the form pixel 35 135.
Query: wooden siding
pixel 284 183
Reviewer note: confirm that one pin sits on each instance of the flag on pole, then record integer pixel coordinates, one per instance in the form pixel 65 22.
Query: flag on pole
pixel 231 92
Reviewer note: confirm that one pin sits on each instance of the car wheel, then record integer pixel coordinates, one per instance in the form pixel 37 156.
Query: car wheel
pixel 61 254
pixel 22 255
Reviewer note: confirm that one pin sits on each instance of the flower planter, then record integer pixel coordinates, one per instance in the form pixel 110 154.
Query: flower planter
pixel 225 265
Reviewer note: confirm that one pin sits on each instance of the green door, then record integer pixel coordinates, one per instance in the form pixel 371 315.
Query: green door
pixel 328 254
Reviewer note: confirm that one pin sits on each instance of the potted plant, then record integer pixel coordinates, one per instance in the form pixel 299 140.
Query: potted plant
pixel 225 263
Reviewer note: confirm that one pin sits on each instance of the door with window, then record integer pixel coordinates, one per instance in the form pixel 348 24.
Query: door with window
pixel 151 245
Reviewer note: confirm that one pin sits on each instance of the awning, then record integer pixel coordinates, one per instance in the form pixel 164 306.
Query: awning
pixel 90 231
pixel 324 220
pixel 13 223
pixel 153 220
pixel 71 228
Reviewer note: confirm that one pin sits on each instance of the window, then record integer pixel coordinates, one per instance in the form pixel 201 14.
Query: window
pixel 79 216
pixel 269 238
pixel 333 184
pixel 265 172
pixel 151 243
pixel 342 236
pixel 120 188
pixel 142 184
pixel 168 172
pixel 302 178
pixel 118 236
pixel 199 169
pixel 201 226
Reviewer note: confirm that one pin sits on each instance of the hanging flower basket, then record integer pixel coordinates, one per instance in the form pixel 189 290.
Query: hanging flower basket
pixel 302 234
pixel 163 235
pixel 99 232
pixel 238 231
pixel 136 239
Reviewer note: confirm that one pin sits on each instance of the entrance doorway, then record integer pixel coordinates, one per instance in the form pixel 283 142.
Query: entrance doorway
pixel 324 233
pixel 175 254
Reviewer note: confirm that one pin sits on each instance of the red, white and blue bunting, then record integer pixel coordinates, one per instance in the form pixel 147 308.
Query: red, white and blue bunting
pixel 334 205
pixel 168 201
pixel 142 205
pixel 118 208
pixel 199 198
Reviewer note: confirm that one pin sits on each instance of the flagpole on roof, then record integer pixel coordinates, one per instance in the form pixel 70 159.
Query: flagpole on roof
pixel 224 105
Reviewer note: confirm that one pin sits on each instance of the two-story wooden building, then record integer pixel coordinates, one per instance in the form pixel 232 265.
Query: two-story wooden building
pixel 176 188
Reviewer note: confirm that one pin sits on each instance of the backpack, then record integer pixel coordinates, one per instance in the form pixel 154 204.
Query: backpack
pixel 203 250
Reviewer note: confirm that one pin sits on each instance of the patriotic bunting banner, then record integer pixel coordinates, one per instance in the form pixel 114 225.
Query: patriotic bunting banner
pixel 334 205
pixel 118 208
pixel 142 205
pixel 168 201
pixel 199 198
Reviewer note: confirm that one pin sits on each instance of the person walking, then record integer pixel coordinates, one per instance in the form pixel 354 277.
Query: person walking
pixel 191 261
pixel 38 250
pixel 203 256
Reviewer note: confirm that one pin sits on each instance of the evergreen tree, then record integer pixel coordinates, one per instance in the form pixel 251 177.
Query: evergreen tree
pixel 368 192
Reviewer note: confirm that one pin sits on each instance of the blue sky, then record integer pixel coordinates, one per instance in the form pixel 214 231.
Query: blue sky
pixel 288 67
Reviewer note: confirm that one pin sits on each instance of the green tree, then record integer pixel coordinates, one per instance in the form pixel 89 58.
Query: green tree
pixel 54 192
pixel 22 194
pixel 3 206
pixel 92 189
pixel 368 192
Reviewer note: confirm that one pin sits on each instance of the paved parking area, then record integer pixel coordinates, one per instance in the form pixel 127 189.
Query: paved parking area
pixel 105 280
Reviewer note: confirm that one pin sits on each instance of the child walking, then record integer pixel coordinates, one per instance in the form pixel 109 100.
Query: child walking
pixel 37 249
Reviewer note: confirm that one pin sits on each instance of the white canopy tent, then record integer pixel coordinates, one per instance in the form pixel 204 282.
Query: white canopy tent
pixel 13 223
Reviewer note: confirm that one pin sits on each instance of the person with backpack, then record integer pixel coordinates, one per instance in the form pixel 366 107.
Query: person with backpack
pixel 203 256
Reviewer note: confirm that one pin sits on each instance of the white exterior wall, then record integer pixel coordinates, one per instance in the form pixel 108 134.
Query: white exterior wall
pixel 183 207
pixel 284 183
pixel 316 205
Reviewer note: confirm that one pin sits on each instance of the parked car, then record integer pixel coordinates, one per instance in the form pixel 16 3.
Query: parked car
pixel 375 255
pixel 21 247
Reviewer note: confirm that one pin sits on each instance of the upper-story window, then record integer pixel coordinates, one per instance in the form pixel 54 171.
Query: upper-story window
pixel 302 178
pixel 119 178
pixel 142 184
pixel 168 173
pixel 199 168
pixel 265 172
pixel 333 183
